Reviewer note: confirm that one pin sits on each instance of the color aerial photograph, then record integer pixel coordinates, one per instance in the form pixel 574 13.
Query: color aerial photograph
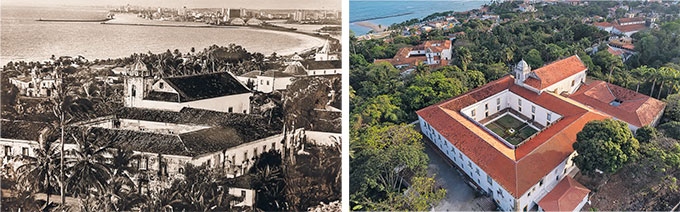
pixel 170 105
pixel 530 105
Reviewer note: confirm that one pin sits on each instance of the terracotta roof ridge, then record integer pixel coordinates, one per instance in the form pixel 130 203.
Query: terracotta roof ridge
pixel 496 149
pixel 610 91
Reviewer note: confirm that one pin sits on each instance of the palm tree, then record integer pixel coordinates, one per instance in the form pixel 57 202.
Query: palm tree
pixel 67 107
pixel 88 169
pixel 38 170
pixel 120 164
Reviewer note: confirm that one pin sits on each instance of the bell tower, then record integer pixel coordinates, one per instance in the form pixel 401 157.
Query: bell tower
pixel 522 70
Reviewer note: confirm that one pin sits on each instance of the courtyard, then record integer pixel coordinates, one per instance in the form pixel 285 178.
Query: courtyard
pixel 511 129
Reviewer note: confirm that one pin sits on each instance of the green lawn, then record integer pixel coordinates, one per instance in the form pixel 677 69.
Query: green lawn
pixel 522 130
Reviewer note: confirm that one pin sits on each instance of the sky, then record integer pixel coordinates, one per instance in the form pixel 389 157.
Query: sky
pixel 249 4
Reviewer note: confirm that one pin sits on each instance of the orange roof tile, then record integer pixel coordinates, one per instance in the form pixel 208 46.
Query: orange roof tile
pixel 566 196
pixel 603 24
pixel 555 72
pixel 628 20
pixel 636 108
pixel 614 51
pixel 516 170
pixel 630 28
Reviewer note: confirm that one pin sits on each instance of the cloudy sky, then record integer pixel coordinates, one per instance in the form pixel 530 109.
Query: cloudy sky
pixel 252 4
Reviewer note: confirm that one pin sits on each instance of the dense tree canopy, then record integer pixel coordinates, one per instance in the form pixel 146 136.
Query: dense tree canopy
pixel 604 145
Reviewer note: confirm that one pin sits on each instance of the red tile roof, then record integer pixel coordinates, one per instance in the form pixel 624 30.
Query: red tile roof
pixel 603 24
pixel 516 170
pixel 630 28
pixel 566 196
pixel 628 20
pixel 555 72
pixel 637 109
pixel 614 51
pixel 402 56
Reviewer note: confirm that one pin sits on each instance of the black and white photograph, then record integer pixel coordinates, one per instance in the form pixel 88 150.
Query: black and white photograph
pixel 175 105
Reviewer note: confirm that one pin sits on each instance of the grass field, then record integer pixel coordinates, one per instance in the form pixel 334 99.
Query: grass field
pixel 502 125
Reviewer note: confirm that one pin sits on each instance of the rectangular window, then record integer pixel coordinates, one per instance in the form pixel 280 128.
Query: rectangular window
pixel 486 114
pixel 264 148
pixel 231 109
pixel 533 109
pixel 498 101
pixel 525 208
pixel 488 179
pixel 486 106
pixel 245 156
pixel 24 151
pixel 273 146
pixel 255 152
pixel 8 150
pixel 498 107
pixel 160 85
pixel 540 183
pixel 549 116
pixel 572 83
pixel 473 113
pixel 243 193
pixel 519 102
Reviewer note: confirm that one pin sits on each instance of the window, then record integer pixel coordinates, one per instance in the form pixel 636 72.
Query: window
pixel 488 179
pixel 519 102
pixel 144 163
pixel 477 171
pixel 533 109
pixel 498 101
pixel 498 107
pixel 255 152
pixel 261 82
pixel 134 91
pixel 528 195
pixel 273 146
pixel 557 178
pixel 243 193
pixel 549 116
pixel 24 151
pixel 572 83
pixel 540 183
pixel 474 112
pixel 267 82
pixel 264 148
pixel 245 155
pixel 231 109
pixel 525 208
pixel 160 85
pixel 8 150
pixel 486 106
pixel 486 114
pixel 180 170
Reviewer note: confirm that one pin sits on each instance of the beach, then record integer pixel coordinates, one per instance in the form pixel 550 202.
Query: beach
pixel 118 39
pixel 372 26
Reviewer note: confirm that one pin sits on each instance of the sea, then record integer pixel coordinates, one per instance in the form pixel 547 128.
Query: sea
pixel 24 38
pixel 386 13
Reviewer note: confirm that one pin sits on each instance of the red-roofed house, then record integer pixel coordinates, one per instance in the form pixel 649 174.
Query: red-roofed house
pixel 634 108
pixel 606 26
pixel 628 30
pixel 567 195
pixel 514 139
pixel 433 53
pixel 561 76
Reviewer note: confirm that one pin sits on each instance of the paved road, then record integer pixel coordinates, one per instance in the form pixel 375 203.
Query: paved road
pixel 459 195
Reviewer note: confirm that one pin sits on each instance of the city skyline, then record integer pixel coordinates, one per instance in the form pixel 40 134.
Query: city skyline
pixel 262 4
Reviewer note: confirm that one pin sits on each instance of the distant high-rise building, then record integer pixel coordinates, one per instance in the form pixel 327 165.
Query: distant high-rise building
pixel 182 11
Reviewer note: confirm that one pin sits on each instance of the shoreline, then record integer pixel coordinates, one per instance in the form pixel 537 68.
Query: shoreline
pixel 372 26
pixel 309 41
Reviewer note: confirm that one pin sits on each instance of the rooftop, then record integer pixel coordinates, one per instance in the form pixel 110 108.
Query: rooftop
pixel 555 72
pixel 205 86
pixel 317 65
pixel 630 28
pixel 629 106
pixel 566 196
pixel 516 170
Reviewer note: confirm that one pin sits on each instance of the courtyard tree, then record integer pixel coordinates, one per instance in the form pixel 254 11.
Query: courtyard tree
pixel 604 145
pixel 646 134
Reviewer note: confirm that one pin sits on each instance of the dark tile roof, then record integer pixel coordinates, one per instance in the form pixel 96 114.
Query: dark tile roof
pixel 276 74
pixel 206 86
pixel 21 130
pixel 162 96
pixel 317 65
